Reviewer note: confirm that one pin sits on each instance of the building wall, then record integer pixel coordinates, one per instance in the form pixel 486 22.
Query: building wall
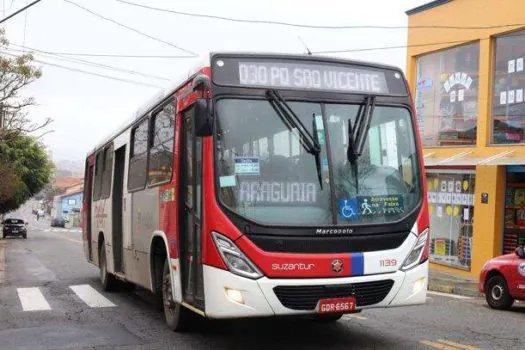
pixel 490 179
pixel 66 206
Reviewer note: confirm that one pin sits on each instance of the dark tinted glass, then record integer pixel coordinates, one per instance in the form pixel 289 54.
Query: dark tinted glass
pixel 161 153
pixel 107 172
pixel 139 160
pixel 99 166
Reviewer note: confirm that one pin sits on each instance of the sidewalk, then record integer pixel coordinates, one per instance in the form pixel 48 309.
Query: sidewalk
pixel 2 260
pixel 448 283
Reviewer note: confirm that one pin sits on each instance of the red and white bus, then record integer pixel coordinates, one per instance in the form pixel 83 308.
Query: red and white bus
pixel 265 185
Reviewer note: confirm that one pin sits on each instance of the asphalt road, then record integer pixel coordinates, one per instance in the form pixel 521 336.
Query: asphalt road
pixel 51 299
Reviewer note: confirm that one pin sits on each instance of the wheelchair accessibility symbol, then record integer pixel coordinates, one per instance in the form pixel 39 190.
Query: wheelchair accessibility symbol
pixel 348 208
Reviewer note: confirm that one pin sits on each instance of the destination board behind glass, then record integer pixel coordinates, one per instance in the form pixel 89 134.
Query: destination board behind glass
pixel 283 73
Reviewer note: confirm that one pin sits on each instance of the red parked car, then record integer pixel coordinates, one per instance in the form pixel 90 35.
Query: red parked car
pixel 502 279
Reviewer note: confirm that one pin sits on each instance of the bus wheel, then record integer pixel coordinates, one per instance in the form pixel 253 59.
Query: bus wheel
pixel 176 315
pixel 328 318
pixel 106 279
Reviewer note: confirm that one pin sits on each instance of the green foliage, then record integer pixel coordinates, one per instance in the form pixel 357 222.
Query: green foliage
pixel 24 166
pixel 24 169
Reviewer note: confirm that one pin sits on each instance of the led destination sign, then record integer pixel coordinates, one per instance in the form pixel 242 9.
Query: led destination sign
pixel 310 76
pixel 301 75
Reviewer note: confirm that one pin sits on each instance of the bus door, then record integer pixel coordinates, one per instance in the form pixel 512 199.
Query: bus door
pixel 117 209
pixel 190 215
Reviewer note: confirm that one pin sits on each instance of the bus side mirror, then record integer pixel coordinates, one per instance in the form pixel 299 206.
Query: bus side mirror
pixel 203 117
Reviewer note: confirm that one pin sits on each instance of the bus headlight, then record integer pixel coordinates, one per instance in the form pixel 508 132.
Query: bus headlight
pixel 414 258
pixel 237 262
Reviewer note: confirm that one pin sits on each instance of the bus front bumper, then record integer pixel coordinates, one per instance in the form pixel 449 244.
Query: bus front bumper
pixel 231 296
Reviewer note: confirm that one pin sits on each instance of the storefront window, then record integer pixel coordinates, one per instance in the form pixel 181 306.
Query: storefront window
pixel 451 209
pixel 447 96
pixel 514 233
pixel 508 105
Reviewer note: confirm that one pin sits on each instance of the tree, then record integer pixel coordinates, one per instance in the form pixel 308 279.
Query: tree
pixel 26 167
pixel 10 183
pixel 16 72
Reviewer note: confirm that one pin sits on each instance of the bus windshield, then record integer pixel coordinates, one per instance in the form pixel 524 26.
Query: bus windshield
pixel 266 174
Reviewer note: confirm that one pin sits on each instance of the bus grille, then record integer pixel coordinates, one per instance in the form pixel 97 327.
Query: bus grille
pixel 306 297
pixel 347 244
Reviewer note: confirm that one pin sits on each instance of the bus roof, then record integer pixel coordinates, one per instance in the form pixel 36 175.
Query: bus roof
pixel 205 61
pixel 150 103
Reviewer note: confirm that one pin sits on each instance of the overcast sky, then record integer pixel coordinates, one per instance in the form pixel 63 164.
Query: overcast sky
pixel 87 108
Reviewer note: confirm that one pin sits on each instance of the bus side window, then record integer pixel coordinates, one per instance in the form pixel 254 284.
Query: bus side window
pixel 263 148
pixel 281 143
pixel 374 143
pixel 107 173
pixel 98 176
pixel 161 153
pixel 383 145
pixel 139 157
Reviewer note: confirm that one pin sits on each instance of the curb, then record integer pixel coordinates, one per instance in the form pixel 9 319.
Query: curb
pixel 441 288
pixel 453 289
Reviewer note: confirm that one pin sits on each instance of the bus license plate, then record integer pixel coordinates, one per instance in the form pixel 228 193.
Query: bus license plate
pixel 337 305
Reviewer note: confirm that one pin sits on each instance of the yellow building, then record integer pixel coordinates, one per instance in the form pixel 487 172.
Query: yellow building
pixel 467 76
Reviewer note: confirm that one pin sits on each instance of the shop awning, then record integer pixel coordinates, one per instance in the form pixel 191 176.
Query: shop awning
pixel 504 158
pixel 469 158
pixel 463 158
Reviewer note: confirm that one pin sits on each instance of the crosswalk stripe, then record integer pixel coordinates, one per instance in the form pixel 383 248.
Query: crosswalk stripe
pixel 32 299
pixel 90 296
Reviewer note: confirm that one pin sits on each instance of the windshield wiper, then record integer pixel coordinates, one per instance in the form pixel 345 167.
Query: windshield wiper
pixel 358 133
pixel 309 142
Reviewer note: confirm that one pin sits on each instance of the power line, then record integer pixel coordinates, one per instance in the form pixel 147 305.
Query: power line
pixel 21 10
pixel 90 63
pixel 131 28
pixel 86 54
pixel 300 25
pixel 118 55
pixel 99 75
pixel 464 41
pixel 86 62
pixel 392 47
pixel 90 73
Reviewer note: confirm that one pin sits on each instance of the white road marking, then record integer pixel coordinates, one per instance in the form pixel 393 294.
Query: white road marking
pixel 355 316
pixel 32 299
pixel 90 296
pixel 455 296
